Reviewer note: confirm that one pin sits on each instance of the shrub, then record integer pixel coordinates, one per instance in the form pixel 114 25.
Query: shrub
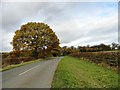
pixel 109 58
pixel 9 61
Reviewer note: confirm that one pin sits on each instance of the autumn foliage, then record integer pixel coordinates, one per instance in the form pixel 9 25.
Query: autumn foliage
pixel 36 37
pixel 33 40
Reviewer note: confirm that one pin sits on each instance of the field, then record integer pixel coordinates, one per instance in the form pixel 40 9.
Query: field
pixel 77 73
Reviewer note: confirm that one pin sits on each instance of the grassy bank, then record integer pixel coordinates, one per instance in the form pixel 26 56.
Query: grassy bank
pixel 18 65
pixel 76 73
pixel 24 63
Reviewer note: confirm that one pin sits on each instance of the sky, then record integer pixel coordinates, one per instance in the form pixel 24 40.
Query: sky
pixel 75 23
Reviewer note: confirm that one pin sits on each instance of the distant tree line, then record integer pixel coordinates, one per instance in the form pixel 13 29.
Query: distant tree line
pixel 95 48
pixel 62 51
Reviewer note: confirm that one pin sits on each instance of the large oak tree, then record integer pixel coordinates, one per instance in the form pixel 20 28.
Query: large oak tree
pixel 36 37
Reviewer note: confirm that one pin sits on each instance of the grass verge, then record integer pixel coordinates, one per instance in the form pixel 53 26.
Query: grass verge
pixel 76 73
pixel 18 65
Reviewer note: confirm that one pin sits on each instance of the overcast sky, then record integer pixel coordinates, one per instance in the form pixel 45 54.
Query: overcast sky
pixel 75 23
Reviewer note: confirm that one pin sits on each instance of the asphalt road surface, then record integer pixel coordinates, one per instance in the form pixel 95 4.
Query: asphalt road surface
pixel 35 75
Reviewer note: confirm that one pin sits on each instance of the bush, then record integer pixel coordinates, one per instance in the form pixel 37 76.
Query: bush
pixel 109 58
pixel 9 61
pixel 4 55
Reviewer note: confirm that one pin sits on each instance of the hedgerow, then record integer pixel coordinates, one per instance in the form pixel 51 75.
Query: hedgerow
pixel 108 58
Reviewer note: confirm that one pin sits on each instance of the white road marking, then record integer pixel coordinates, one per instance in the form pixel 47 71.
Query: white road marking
pixel 29 70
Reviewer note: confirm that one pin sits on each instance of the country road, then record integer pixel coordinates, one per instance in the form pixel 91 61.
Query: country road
pixel 35 75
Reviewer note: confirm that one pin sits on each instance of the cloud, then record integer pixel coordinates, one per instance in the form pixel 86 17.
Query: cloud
pixel 6 39
pixel 75 23
pixel 94 27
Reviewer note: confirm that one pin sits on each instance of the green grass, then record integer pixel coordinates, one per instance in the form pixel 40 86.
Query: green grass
pixel 111 51
pixel 76 73
pixel 18 65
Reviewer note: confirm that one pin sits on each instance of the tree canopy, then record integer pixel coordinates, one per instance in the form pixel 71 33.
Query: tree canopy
pixel 36 37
